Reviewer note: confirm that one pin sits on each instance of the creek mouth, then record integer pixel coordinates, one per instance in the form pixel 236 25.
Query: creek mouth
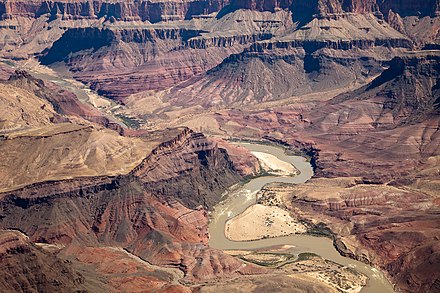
pixel 239 199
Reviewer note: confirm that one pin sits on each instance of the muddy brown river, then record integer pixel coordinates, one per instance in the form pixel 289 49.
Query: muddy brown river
pixel 237 201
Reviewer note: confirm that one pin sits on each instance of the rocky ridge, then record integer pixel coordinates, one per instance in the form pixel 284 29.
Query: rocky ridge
pixel 137 211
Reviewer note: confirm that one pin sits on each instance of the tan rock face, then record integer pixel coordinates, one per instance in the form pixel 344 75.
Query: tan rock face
pixel 360 6
pixel 61 101
pixel 261 5
pixel 64 151
pixel 129 59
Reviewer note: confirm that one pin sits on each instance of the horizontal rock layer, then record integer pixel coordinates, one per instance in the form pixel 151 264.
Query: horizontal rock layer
pixel 145 211
pixel 121 10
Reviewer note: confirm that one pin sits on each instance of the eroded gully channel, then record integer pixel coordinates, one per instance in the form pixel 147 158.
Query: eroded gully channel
pixel 238 200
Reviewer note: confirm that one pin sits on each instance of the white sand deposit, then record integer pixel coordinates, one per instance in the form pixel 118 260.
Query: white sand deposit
pixel 260 221
pixel 273 165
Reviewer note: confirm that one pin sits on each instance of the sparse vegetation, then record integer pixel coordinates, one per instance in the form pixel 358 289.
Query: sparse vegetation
pixel 130 122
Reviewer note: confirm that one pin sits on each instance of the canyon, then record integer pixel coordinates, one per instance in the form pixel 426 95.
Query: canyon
pixel 117 128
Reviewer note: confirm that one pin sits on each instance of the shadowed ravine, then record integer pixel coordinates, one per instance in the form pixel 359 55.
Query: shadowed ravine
pixel 239 200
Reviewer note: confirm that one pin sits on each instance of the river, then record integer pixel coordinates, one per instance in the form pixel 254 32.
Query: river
pixel 238 200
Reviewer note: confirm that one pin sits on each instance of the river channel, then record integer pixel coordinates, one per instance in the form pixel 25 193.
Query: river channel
pixel 237 201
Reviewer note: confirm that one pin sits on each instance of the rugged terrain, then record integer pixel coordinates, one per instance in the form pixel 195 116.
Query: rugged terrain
pixel 99 164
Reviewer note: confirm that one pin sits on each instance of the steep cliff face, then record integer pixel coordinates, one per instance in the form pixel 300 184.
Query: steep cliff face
pixel 191 176
pixel 389 126
pixel 143 58
pixel 186 167
pixel 307 9
pixel 157 228
pixel 27 267
pixel 360 6
pixel 389 119
pixel 409 88
pixel 119 61
pixel 64 102
pixel 175 10
pixel 376 224
pixel 261 5
pixel 323 54
pixel 287 73
pixel 121 10
pixel 145 211
pixel 304 11
pixel 408 8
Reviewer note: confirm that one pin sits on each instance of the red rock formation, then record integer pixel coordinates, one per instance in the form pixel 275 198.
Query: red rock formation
pixel 169 55
pixel 406 8
pixel 377 224
pixel 386 130
pixel 261 5
pixel 26 268
pixel 172 170
pixel 245 163
pixel 141 211
pixel 360 6
pixel 121 10
pixel 305 10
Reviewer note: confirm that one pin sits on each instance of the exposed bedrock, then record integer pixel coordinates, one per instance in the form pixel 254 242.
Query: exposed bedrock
pixel 403 134
pixel 391 228
pixel 198 169
pixel 179 10
pixel 409 88
pixel 260 5
pixel 121 10
pixel 386 130
pixel 64 102
pixel 316 7
pixel 156 211
pixel 140 59
pixel 305 10
pixel 238 80
pixel 404 8
pixel 27 268
pixel 197 177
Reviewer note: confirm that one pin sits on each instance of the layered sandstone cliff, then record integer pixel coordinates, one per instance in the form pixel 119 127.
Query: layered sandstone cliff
pixel 121 57
pixel 122 10
pixel 145 211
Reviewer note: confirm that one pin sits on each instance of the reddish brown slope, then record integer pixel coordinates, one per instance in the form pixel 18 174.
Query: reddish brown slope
pixel 142 212
pixel 387 133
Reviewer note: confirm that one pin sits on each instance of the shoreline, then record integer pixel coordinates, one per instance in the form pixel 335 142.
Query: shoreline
pixel 260 222
pixel 230 206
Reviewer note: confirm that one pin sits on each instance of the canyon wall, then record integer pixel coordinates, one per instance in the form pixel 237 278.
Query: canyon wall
pixel 120 10
pixel 175 10
pixel 304 10
pixel 145 211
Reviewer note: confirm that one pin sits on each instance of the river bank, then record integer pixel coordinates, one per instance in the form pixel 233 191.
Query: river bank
pixel 259 222
pixel 244 197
